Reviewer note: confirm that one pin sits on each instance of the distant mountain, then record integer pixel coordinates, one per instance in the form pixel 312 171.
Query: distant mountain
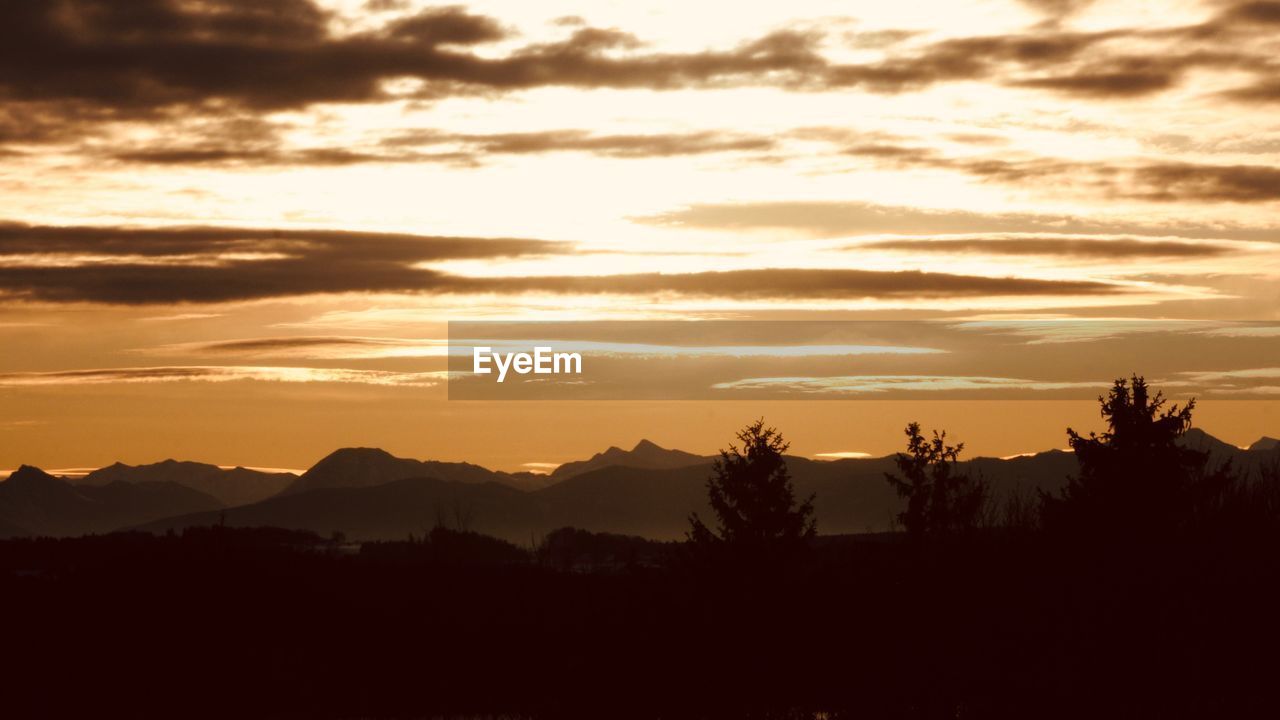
pixel 369 467
pixel 644 455
pixel 648 491
pixel 1198 439
pixel 37 503
pixel 45 505
pixel 852 497
pixel 236 486
pixel 1265 444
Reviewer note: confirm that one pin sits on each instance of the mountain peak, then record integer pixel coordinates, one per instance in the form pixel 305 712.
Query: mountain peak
pixel 645 454
pixel 357 466
pixel 1265 442
pixel 1200 440
pixel 30 473
pixel 647 446
pixel 349 453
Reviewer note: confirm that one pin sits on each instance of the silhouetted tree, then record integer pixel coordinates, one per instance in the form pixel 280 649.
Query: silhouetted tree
pixel 751 495
pixel 938 499
pixel 1136 475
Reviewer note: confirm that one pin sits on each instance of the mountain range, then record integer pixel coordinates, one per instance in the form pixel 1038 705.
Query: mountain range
pixel 368 493
pixel 235 486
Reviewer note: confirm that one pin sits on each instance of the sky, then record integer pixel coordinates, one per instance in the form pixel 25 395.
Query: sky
pixel 238 232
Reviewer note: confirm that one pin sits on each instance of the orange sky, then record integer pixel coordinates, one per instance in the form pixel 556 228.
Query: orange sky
pixel 235 232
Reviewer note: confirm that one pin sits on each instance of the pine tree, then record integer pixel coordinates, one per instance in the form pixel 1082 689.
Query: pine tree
pixel 1136 475
pixel 938 499
pixel 753 499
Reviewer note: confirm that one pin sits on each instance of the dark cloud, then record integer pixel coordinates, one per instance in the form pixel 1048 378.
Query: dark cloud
pixel 336 245
pixel 1155 182
pixel 657 145
pixel 205 74
pixel 310 347
pixel 214 154
pixel 1106 83
pixel 972 58
pixel 1261 13
pixel 1124 76
pixel 422 146
pixel 149 55
pixel 450 25
pixel 103 60
pixel 834 219
pixel 251 143
pixel 204 265
pixel 791 283
pixel 1110 248
pixel 1267 91
pixel 272 344
pixel 140 266
pixel 1175 182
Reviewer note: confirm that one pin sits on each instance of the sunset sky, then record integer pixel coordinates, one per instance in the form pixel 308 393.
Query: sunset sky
pixel 236 232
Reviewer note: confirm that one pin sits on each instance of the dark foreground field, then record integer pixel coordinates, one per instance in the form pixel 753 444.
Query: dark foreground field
pixel 245 623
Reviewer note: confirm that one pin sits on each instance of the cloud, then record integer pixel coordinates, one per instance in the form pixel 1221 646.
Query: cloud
pixel 151 55
pixel 68 67
pixel 1264 92
pixel 878 384
pixel 112 376
pixel 835 219
pixel 316 347
pixel 463 346
pixel 1174 182
pixel 1242 382
pixel 419 146
pixel 337 245
pixel 134 266
pixel 1107 82
pixel 447 25
pixel 791 283
pixel 654 145
pixel 181 317
pixel 1252 11
pixel 1096 248
pixel 208 265
pixel 1246 374
pixel 1151 181
pixel 1058 8
pixel 1055 331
